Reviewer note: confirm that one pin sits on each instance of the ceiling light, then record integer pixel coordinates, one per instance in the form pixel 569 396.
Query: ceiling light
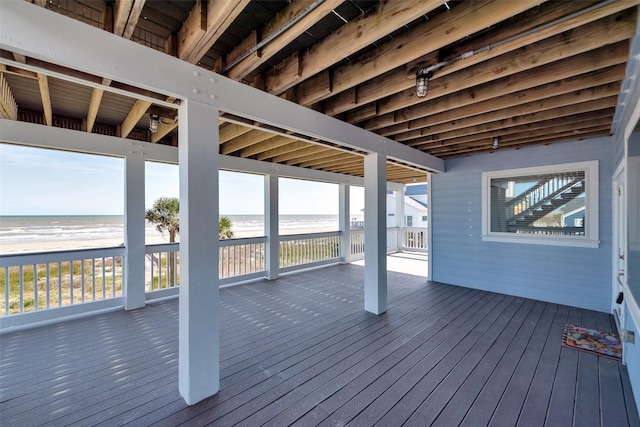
pixel 496 142
pixel 154 119
pixel 422 81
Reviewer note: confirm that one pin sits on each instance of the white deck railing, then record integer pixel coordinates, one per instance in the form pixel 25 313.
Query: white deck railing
pixel 308 250
pixel 356 242
pixel 36 282
pixel 39 281
pixel 241 259
pixel 415 239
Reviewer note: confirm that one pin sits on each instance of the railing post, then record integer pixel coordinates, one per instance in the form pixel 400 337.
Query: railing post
pixel 134 225
pixel 400 217
pixel 345 223
pixel 271 228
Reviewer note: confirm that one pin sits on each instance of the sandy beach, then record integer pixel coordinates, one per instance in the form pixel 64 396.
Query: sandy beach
pixel 62 245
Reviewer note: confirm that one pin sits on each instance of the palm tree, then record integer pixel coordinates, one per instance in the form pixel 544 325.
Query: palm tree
pixel 165 214
pixel 224 228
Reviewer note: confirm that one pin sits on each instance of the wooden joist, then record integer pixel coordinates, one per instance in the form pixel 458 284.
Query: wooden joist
pixel 608 31
pixel 135 114
pixel 260 56
pixel 425 39
pixel 8 105
pixel 348 39
pixel 556 106
pixel 45 95
pixel 126 15
pixel 603 57
pixel 205 24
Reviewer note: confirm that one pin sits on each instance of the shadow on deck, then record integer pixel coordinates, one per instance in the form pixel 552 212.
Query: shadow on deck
pixel 301 351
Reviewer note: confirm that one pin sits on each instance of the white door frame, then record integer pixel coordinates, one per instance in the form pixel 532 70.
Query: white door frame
pixel 619 247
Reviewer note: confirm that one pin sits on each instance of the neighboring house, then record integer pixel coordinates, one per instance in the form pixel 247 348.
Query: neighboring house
pixel 415 207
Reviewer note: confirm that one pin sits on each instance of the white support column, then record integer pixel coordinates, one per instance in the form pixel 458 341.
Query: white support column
pixel 271 227
pixel 199 342
pixel 134 225
pixel 345 223
pixel 375 234
pixel 400 217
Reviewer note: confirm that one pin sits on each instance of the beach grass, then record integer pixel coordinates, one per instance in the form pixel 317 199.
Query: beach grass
pixel 59 284
pixel 35 287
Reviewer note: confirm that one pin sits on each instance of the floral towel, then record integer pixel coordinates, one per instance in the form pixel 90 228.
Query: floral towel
pixel 601 343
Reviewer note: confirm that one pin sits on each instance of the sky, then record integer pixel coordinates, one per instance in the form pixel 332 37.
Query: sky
pixel 49 182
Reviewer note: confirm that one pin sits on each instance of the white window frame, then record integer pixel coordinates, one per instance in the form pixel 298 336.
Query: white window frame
pixel 591 237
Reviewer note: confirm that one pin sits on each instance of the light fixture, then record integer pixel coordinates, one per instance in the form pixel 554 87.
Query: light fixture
pixel 496 142
pixel 154 120
pixel 422 81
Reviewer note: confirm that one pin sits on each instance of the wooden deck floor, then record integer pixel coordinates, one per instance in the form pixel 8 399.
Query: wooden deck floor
pixel 301 351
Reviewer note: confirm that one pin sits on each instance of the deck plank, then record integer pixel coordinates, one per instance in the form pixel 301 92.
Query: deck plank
pixel 302 351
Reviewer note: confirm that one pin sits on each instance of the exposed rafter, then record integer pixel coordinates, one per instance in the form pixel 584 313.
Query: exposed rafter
pixel 8 105
pixel 206 23
pixel 127 13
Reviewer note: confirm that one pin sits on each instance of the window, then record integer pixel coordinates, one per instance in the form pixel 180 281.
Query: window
pixel 409 221
pixel 424 218
pixel 552 205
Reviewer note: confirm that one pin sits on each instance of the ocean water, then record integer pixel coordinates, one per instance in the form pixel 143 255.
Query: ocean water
pixel 15 229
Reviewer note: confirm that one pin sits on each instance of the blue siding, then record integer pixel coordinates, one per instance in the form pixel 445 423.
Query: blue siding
pixel 575 276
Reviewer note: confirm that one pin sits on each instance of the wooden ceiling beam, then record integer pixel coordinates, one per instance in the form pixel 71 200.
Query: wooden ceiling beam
pixel 603 57
pixel 267 147
pixel 466 19
pixel 243 141
pixel 8 105
pixel 603 76
pixel 583 107
pixel 94 105
pixel 230 131
pixel 126 15
pixel 397 80
pixel 564 123
pixel 573 135
pixel 122 20
pixel 315 158
pixel 544 33
pixel 207 21
pixel 331 160
pixel 246 66
pixel 566 104
pixel 135 114
pixel 347 40
pixel 281 147
pixel 608 31
pixel 45 96
pixel 303 149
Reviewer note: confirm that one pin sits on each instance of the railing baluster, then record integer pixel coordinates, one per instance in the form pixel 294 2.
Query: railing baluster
pixel 104 278
pixel 47 278
pixel 35 287
pixel 7 289
pixel 21 289
pixel 59 284
pixel 71 281
pixel 93 278
pixel 82 291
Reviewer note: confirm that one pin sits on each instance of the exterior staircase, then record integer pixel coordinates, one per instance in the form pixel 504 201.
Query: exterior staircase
pixel 543 198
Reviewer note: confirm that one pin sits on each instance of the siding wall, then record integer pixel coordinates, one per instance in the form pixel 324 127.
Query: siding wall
pixel 579 277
